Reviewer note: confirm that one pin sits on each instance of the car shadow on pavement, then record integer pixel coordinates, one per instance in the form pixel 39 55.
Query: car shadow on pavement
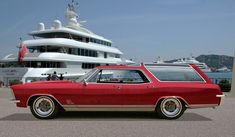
pixel 105 116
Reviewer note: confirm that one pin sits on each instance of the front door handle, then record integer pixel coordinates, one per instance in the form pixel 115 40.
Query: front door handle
pixel 150 86
pixel 119 87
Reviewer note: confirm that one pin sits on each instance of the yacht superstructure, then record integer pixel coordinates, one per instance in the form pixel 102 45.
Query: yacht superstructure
pixel 223 69
pixel 71 50
pixel 192 60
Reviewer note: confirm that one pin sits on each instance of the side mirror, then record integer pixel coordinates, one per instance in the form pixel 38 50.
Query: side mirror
pixel 85 82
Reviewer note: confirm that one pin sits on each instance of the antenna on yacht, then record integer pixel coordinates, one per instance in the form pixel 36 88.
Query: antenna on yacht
pixel 71 14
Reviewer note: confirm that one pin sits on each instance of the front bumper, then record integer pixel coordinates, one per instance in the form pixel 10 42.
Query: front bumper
pixel 15 101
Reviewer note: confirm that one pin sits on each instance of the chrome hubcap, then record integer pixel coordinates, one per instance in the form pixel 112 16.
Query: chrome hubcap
pixel 43 106
pixel 171 107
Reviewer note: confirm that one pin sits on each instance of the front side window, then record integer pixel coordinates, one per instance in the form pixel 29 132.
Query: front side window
pixel 175 73
pixel 119 76
pixel 87 75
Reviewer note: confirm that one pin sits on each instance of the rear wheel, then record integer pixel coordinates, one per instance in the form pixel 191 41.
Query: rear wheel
pixel 170 108
pixel 44 107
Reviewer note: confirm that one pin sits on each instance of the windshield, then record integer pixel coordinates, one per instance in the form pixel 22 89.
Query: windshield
pixel 86 75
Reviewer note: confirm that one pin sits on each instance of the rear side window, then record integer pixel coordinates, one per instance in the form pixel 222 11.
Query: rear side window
pixel 166 73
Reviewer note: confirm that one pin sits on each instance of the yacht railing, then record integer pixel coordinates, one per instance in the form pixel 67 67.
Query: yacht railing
pixel 217 80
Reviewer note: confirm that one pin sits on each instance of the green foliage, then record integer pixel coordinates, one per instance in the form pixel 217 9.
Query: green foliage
pixel 224 85
pixel 224 82
pixel 15 82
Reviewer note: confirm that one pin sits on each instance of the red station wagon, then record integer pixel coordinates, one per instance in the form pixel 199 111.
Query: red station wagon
pixel 166 89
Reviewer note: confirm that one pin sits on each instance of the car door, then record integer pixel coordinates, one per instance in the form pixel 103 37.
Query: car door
pixel 136 89
pixel 101 89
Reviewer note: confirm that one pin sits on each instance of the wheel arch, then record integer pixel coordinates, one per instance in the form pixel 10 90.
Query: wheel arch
pixel 176 97
pixel 32 97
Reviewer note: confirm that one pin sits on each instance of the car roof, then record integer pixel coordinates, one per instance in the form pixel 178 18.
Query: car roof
pixel 119 67
pixel 166 64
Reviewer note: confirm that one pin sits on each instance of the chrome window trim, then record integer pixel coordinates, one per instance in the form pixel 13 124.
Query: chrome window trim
pixel 198 74
pixel 95 72
pixel 149 80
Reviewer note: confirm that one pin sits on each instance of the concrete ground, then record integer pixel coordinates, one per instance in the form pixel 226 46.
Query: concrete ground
pixel 206 122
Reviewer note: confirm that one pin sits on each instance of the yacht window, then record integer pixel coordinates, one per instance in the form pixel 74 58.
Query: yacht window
pixel 74 51
pixel 42 49
pixel 90 53
pixel 70 51
pixel 53 49
pixel 86 52
pixel 89 65
pixel 79 51
pixel 117 56
pixel 82 52
pixel 105 54
pixel 87 40
pixel 35 64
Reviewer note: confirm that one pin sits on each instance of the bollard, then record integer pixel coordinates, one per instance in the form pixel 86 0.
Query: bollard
pixel 232 92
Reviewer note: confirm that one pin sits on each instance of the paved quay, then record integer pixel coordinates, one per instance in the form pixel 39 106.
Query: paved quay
pixel 206 122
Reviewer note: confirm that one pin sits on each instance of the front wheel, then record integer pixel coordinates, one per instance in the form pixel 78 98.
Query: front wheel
pixel 44 107
pixel 170 108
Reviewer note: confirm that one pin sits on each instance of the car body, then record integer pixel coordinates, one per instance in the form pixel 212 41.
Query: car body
pixel 167 89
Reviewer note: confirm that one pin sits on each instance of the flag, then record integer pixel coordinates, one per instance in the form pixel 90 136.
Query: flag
pixel 22 52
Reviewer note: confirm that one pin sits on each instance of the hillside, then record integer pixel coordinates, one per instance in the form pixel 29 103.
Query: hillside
pixel 213 61
pixel 216 61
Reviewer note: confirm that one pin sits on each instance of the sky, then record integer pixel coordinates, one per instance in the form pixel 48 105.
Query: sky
pixel 141 29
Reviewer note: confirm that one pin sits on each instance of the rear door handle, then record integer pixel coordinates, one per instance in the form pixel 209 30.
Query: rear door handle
pixel 117 87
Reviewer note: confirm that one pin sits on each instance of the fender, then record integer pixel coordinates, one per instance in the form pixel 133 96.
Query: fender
pixel 49 95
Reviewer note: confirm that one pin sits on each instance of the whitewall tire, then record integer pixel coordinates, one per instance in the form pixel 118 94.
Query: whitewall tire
pixel 170 108
pixel 44 107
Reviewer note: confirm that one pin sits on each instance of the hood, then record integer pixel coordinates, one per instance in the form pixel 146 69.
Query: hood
pixel 38 83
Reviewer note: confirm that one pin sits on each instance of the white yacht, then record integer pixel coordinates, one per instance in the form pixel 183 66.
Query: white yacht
pixel 192 60
pixel 71 50
pixel 223 69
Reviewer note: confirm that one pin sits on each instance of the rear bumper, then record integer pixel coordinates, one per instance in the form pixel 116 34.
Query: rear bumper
pixel 220 96
pixel 214 105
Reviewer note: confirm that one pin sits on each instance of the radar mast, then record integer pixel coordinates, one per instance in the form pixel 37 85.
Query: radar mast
pixel 71 15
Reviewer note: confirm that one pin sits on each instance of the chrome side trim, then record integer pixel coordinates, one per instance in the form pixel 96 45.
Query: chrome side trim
pixel 109 107
pixel 203 105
